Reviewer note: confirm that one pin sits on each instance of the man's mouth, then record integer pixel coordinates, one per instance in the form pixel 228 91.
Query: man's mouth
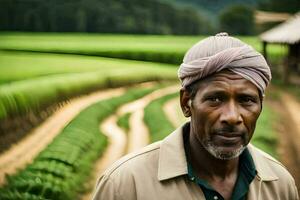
pixel 229 134
pixel 228 138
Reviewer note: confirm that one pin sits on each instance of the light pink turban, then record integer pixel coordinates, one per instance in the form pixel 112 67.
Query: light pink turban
pixel 219 52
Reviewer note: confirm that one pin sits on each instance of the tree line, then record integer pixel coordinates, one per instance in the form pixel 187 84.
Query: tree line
pixel 105 16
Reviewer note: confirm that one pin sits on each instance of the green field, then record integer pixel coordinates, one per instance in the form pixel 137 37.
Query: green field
pixel 43 69
pixel 61 76
pixel 33 80
pixel 155 115
pixel 167 49
pixel 16 66
pixel 61 169
pixel 265 136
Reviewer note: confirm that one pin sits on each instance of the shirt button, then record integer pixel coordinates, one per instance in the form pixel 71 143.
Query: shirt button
pixel 192 178
pixel 216 198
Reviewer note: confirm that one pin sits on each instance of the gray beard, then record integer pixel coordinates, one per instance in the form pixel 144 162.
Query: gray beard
pixel 219 154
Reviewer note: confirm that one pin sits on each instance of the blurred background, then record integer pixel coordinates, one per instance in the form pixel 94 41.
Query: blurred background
pixel 179 17
pixel 85 82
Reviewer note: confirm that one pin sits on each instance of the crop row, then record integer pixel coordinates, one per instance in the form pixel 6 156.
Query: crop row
pixel 123 122
pixel 60 170
pixel 16 66
pixel 33 85
pixel 159 125
pixel 156 120
pixel 164 49
pixel 18 97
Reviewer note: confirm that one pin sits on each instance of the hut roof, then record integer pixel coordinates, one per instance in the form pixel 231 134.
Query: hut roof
pixel 287 32
pixel 262 17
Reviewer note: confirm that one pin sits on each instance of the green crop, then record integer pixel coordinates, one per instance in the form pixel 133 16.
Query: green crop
pixel 60 170
pixel 38 90
pixel 265 134
pixel 156 120
pixel 123 122
pixel 20 66
pixel 166 49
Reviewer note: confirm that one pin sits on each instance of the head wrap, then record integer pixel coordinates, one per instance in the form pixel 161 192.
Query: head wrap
pixel 220 52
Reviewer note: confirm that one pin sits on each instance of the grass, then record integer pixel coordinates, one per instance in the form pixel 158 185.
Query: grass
pixel 61 169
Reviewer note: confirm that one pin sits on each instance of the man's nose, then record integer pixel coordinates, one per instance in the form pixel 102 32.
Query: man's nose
pixel 230 114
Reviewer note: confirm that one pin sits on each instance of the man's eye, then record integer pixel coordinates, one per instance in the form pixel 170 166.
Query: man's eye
pixel 247 100
pixel 214 99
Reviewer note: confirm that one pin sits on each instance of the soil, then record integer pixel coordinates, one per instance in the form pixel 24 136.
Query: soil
pixel 289 134
pixel 173 112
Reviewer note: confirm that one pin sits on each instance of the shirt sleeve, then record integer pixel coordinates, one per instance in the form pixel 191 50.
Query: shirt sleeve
pixel 296 195
pixel 105 190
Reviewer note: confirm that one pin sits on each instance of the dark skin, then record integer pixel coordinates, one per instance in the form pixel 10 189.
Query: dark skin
pixel 223 113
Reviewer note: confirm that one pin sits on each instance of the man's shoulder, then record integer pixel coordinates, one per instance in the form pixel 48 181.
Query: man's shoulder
pixel 135 162
pixel 278 182
pixel 266 164
pixel 127 176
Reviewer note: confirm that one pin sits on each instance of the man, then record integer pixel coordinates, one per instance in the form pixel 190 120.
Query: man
pixel 223 85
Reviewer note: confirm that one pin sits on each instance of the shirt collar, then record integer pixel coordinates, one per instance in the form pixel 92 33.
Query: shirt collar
pixel 173 162
pixel 172 159
pixel 264 170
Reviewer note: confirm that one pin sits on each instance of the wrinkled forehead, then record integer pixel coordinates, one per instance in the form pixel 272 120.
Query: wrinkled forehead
pixel 226 79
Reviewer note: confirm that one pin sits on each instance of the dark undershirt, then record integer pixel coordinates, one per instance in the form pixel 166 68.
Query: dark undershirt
pixel 247 172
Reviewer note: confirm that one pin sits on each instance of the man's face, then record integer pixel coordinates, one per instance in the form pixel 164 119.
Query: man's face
pixel 224 113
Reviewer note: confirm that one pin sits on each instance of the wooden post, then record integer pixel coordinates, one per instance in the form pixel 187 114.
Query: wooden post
pixel 288 65
pixel 264 48
pixel 294 54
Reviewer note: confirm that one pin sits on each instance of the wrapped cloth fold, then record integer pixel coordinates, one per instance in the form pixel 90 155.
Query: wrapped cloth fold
pixel 243 60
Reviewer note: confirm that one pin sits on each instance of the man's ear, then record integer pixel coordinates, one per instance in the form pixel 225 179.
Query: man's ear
pixel 185 103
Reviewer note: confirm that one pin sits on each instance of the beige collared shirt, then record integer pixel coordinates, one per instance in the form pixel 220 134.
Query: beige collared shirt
pixel 159 171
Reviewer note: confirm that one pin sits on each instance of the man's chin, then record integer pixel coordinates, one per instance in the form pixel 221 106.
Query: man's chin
pixel 224 153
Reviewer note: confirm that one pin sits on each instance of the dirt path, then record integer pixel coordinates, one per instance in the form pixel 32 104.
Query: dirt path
pixel 173 112
pixel 22 153
pixel 138 135
pixel 289 134
pixel 293 107
pixel 117 147
pixel 117 138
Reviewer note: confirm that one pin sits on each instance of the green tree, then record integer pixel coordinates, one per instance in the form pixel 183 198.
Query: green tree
pixel 289 6
pixel 237 20
pixel 102 16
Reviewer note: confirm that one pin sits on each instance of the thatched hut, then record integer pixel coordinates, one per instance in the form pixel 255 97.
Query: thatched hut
pixel 287 33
